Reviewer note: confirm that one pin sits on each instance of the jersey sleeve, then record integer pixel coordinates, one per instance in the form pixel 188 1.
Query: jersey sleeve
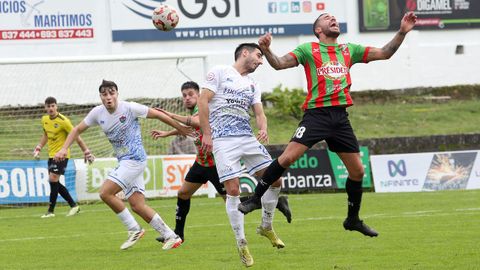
pixel 91 118
pixel 139 110
pixel 358 53
pixel 299 53
pixel 257 97
pixel 67 125
pixel 212 80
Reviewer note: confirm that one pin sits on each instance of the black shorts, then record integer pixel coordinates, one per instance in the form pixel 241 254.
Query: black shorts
pixel 330 124
pixel 57 167
pixel 201 175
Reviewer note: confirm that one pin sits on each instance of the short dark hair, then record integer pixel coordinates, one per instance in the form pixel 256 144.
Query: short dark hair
pixel 50 100
pixel 107 84
pixel 249 46
pixel 190 84
pixel 315 24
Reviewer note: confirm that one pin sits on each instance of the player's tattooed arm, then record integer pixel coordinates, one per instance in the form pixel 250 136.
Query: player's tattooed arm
pixel 286 61
pixel 407 24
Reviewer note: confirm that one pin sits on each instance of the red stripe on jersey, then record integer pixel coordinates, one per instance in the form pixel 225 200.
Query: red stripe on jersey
pixel 294 56
pixel 365 55
pixel 348 63
pixel 331 50
pixel 321 87
pixel 306 66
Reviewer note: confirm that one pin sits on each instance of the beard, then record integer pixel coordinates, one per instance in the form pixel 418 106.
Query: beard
pixel 332 34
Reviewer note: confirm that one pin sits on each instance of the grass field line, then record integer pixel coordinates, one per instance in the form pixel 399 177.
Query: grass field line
pixel 425 213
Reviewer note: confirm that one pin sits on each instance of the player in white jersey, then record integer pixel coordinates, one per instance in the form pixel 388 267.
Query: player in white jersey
pixel 119 121
pixel 226 98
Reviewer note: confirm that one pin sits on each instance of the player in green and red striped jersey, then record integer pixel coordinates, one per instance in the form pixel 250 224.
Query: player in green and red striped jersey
pixel 327 69
pixel 203 169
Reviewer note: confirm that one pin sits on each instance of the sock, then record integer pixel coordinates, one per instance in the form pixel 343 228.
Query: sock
pixel 160 226
pixel 128 220
pixel 354 192
pixel 235 217
pixel 269 203
pixel 65 194
pixel 183 207
pixel 273 172
pixel 245 198
pixel 53 196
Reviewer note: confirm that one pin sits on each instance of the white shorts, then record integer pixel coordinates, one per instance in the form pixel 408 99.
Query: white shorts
pixel 129 176
pixel 228 152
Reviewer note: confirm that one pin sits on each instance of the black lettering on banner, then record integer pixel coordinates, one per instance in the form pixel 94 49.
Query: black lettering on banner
pixel 216 10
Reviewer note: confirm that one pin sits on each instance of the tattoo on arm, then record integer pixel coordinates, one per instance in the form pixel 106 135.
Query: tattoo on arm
pixel 392 47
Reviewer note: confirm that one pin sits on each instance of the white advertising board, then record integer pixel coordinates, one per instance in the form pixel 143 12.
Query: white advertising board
pixel 426 171
pixel 207 19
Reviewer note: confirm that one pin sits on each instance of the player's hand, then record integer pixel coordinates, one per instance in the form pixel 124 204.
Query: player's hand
pixel 186 131
pixel 262 136
pixel 158 134
pixel 36 152
pixel 88 157
pixel 265 41
pixel 60 155
pixel 408 22
pixel 207 143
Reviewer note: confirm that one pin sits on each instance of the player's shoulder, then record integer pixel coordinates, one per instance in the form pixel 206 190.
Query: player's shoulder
pixel 45 118
pixel 62 117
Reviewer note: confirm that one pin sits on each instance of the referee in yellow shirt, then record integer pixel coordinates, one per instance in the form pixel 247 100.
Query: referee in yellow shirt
pixel 56 128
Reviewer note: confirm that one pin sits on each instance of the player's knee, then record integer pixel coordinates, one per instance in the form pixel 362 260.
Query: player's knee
pixel 357 174
pixel 184 194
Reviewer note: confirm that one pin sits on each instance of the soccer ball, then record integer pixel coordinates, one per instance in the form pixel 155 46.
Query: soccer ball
pixel 165 18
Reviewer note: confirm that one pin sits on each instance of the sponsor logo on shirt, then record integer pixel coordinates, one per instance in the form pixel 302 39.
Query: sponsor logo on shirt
pixel 332 70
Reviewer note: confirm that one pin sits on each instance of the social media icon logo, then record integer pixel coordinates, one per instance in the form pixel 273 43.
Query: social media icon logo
pixel 272 7
pixel 320 6
pixel 307 6
pixel 284 7
pixel 395 168
pixel 295 7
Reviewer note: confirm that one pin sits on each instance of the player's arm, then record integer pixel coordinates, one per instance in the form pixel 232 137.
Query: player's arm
pixel 40 145
pixel 407 24
pixel 261 121
pixel 183 130
pixel 87 155
pixel 286 61
pixel 163 134
pixel 72 136
pixel 191 121
pixel 203 113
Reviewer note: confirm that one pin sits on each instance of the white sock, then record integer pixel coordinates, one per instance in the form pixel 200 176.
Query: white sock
pixel 128 220
pixel 269 203
pixel 160 226
pixel 235 217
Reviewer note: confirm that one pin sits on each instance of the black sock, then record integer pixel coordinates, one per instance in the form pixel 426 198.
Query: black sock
pixel 245 198
pixel 53 196
pixel 65 194
pixel 354 191
pixel 183 207
pixel 273 172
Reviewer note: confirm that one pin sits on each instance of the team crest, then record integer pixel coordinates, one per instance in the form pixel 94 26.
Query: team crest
pixel 344 49
pixel 55 125
pixel 122 119
pixel 252 88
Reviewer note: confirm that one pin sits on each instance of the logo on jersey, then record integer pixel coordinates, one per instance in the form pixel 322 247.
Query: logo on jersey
pixel 210 76
pixel 333 70
pixel 122 119
pixel 55 125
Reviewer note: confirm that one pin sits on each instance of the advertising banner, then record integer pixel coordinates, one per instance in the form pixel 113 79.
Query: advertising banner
pixel 320 170
pixel 35 20
pixel 385 15
pixel 208 19
pixel 27 182
pixel 426 171
pixel 163 176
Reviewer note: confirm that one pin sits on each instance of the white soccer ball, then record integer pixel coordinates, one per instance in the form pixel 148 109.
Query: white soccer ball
pixel 165 17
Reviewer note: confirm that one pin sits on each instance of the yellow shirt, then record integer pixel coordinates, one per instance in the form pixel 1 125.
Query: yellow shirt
pixel 57 130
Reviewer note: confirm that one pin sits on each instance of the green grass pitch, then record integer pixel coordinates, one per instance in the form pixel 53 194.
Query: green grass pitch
pixel 430 230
